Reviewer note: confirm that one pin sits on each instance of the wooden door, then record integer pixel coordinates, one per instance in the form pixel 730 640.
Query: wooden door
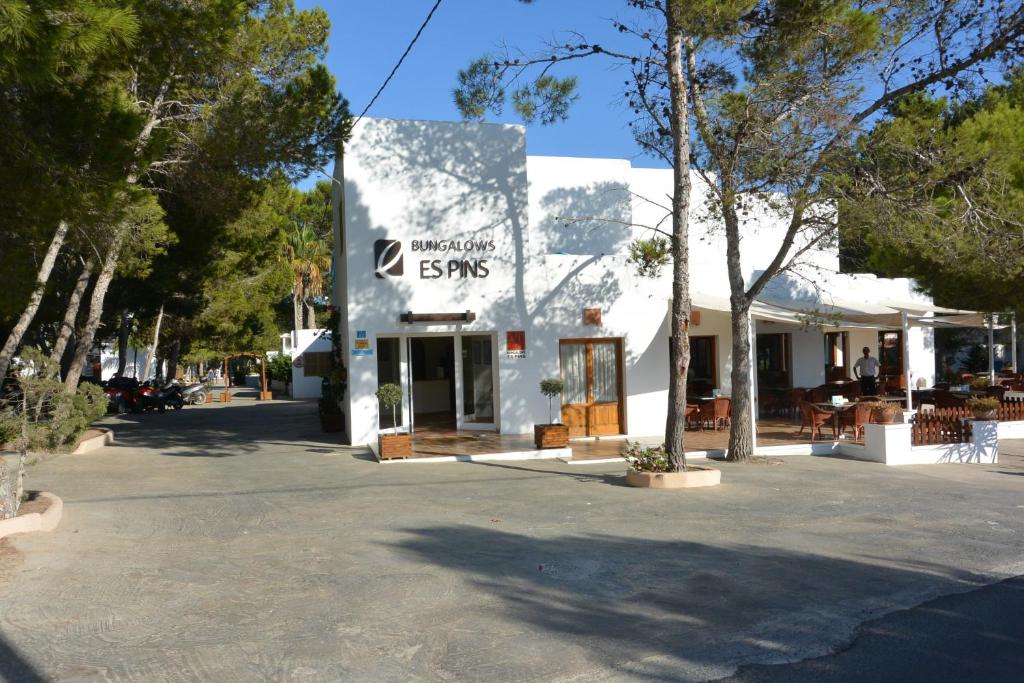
pixel 592 402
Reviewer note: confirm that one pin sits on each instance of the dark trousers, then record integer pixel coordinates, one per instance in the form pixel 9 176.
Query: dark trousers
pixel 867 386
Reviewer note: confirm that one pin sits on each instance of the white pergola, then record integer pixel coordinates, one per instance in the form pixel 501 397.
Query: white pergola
pixel 836 312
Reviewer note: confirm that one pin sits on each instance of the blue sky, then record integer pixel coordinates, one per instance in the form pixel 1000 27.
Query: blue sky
pixel 367 39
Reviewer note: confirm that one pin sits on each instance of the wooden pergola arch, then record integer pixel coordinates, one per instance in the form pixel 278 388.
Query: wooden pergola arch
pixel 261 358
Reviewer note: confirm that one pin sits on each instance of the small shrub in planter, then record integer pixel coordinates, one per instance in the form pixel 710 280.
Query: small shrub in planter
pixel 980 383
pixel 647 458
pixel 983 408
pixel 885 413
pixel 392 445
pixel 554 434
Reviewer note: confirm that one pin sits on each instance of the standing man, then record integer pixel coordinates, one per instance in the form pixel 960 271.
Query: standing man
pixel 866 370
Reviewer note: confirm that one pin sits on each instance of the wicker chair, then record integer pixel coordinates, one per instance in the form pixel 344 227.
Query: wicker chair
pixel 814 417
pixel 791 401
pixel 944 399
pixel 693 415
pixel 716 412
pixel 855 417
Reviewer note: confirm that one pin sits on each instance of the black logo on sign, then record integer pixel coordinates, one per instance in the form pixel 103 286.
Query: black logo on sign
pixel 387 255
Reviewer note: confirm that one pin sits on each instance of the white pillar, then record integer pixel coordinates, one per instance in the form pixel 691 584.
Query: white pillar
pixel 991 348
pixel 906 356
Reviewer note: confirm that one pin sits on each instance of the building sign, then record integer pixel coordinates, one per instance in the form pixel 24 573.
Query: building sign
pixel 515 344
pixel 362 344
pixel 437 259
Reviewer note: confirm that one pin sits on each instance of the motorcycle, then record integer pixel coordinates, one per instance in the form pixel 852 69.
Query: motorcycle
pixel 195 394
pixel 172 396
pixel 147 398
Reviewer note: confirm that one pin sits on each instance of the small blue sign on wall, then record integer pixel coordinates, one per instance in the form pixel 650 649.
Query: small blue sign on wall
pixel 362 345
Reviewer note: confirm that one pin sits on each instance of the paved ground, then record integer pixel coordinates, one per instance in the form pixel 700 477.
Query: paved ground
pixel 234 543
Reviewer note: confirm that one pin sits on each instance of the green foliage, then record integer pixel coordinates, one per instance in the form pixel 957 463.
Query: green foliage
pixel 480 89
pixel 937 193
pixel 389 394
pixel 982 404
pixel 647 458
pixel 981 383
pixel 649 256
pixel 547 99
pixel 280 368
pixel 53 418
pixel 552 387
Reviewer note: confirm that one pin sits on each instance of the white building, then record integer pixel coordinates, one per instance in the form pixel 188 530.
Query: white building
pixel 523 261
pixel 296 344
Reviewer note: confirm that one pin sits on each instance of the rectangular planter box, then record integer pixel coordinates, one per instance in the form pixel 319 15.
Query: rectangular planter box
pixel 394 446
pixel 551 436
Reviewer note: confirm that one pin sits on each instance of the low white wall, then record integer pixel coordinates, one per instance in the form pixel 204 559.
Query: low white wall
pixel 891 444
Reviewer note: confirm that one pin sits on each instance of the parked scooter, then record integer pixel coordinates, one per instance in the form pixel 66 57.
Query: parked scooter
pixel 172 396
pixel 195 394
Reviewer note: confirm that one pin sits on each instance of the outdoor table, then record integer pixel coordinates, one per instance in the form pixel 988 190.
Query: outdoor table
pixel 835 410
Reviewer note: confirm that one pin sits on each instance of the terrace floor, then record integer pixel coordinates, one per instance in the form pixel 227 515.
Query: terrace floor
pixel 437 442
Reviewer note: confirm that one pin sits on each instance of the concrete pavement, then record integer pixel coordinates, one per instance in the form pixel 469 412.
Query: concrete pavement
pixel 235 543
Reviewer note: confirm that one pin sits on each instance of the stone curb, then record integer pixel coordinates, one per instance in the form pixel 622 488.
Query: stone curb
pixel 94 442
pixel 35 521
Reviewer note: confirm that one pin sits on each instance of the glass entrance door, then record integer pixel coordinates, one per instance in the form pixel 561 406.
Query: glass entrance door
pixel 477 379
pixel 592 397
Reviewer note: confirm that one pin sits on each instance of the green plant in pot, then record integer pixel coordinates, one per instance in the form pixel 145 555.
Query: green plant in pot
pixel 985 408
pixel 393 445
pixel 885 413
pixel 980 383
pixel 553 434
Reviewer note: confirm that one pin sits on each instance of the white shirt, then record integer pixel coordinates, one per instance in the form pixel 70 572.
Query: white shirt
pixel 866 367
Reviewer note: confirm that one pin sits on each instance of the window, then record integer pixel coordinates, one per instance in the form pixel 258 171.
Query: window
pixel 890 353
pixel 837 355
pixel 773 361
pixel 702 376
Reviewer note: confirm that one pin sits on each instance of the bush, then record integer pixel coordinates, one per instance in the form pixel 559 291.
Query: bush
pixel 980 383
pixel 647 458
pixel 982 405
pixel 280 368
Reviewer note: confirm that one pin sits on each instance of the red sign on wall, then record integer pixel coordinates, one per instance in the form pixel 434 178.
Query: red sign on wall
pixel 515 344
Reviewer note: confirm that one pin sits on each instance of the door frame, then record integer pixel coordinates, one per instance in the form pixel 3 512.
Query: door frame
pixel 405 369
pixel 621 370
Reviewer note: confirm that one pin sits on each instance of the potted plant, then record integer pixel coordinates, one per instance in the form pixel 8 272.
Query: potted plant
pixel 393 445
pixel 985 408
pixel 980 383
pixel 885 413
pixel 553 434
pixel 649 467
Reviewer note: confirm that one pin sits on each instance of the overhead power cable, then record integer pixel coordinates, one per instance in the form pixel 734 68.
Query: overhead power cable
pixel 400 60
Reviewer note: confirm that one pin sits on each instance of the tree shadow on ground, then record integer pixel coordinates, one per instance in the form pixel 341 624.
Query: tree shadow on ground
pixel 231 429
pixel 14 667
pixel 661 609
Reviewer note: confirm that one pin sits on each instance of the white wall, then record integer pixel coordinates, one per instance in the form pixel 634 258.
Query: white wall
pixel 303 341
pixel 554 243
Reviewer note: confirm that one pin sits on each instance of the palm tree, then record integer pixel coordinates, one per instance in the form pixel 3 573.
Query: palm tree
pixel 311 262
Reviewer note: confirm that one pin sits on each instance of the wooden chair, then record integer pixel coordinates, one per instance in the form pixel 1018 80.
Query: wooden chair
pixel 851 390
pixel 716 412
pixel 855 417
pixel 791 401
pixel 814 417
pixel 693 415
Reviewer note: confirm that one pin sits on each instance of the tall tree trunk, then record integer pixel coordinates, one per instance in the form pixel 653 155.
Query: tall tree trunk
pixel 172 359
pixel 297 306
pixel 67 326
pixel 92 322
pixel 310 316
pixel 679 342
pixel 741 437
pixel 42 277
pixel 122 342
pixel 155 346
